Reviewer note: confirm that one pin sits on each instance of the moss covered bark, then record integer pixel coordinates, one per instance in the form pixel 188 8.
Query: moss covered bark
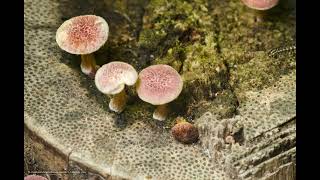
pixel 219 47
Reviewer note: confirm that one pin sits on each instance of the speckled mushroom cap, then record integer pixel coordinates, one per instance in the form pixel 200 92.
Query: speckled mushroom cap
pixel 34 177
pixel 260 4
pixel 112 77
pixel 159 84
pixel 82 34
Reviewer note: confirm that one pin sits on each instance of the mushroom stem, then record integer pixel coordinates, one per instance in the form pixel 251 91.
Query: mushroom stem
pixel 161 112
pixel 118 102
pixel 260 16
pixel 88 65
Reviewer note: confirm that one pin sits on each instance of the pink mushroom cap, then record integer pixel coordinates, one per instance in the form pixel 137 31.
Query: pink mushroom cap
pixel 82 34
pixel 260 4
pixel 159 84
pixel 112 77
pixel 34 177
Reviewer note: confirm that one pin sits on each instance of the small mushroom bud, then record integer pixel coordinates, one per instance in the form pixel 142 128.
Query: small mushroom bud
pixel 159 85
pixel 230 140
pixel 83 35
pixel 185 132
pixel 111 79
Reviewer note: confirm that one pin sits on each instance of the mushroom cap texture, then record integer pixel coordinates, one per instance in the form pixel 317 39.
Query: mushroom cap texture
pixel 159 84
pixel 260 4
pixel 185 132
pixel 34 177
pixel 112 77
pixel 82 34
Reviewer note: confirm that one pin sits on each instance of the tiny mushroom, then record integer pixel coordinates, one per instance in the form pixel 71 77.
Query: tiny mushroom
pixel 230 140
pixel 184 131
pixel 159 85
pixel 34 177
pixel 83 35
pixel 111 79
pixel 260 4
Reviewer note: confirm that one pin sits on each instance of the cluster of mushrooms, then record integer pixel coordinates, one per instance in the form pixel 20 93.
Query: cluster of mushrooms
pixel 156 84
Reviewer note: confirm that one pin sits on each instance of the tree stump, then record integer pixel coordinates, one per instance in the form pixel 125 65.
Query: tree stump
pixel 239 90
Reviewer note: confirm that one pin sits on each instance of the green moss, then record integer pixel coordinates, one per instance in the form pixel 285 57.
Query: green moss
pixel 177 14
pixel 173 57
pixel 239 27
pixel 150 39
pixel 219 48
pixel 167 22
pixel 201 57
pixel 258 73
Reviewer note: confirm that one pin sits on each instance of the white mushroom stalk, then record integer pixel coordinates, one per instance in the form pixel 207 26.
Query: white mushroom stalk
pixel 83 35
pixel 111 79
pixel 161 112
pixel 159 85
pixel 88 65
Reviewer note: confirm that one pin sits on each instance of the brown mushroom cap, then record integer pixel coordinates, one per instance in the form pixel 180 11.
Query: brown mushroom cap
pixel 34 177
pixel 112 77
pixel 260 4
pixel 82 34
pixel 159 84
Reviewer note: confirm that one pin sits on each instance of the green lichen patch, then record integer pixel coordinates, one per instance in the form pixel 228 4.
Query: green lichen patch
pixel 179 33
pixel 203 72
pixel 239 27
pixel 150 39
pixel 216 46
pixel 245 36
pixel 259 72
pixel 167 21
pixel 177 14
pixel 174 57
